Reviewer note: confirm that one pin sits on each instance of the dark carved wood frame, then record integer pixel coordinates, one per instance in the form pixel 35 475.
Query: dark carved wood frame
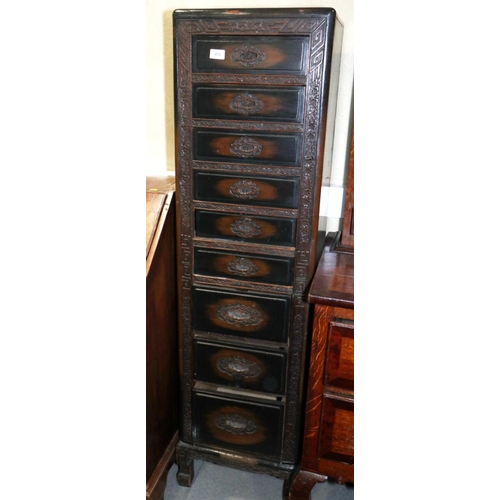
pixel 313 129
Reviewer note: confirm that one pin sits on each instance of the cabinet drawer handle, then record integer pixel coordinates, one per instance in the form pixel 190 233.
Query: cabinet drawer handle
pixel 245 147
pixel 235 424
pixel 242 267
pixel 239 315
pixel 239 368
pixel 246 104
pixel 245 228
pixel 245 189
pixel 248 55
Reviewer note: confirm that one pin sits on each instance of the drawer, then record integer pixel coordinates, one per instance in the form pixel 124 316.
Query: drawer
pixel 250 54
pixel 240 367
pixel 244 315
pixel 249 103
pixel 241 266
pixel 227 423
pixel 336 434
pixel 259 148
pixel 339 369
pixel 266 230
pixel 246 190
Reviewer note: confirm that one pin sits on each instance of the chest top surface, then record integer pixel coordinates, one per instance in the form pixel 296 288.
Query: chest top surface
pixel 333 283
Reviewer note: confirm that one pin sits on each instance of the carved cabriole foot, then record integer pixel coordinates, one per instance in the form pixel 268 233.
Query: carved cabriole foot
pixel 303 484
pixel 185 474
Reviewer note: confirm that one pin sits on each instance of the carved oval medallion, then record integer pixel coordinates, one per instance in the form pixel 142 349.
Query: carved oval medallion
pixel 245 228
pixel 245 189
pixel 238 367
pixel 248 56
pixel 246 104
pixel 245 147
pixel 235 424
pixel 242 267
pixel 239 315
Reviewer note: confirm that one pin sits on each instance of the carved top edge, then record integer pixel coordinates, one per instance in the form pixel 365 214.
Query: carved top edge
pixel 252 21
pixel 259 12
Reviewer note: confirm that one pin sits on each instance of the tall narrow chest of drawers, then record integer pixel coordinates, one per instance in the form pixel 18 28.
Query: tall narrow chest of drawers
pixel 251 89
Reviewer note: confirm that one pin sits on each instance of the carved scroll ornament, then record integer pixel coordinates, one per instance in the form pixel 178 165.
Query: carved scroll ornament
pixel 248 56
pixel 235 424
pixel 239 315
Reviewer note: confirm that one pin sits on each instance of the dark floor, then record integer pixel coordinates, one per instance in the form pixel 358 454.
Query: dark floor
pixel 215 482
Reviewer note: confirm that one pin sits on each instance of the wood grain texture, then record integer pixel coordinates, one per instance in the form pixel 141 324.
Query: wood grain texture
pixel 328 442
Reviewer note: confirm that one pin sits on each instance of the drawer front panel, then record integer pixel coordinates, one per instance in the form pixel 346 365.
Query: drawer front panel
pixel 246 190
pixel 250 54
pixel 242 368
pixel 336 440
pixel 246 267
pixel 263 148
pixel 237 425
pixel 244 315
pixel 267 230
pixel 339 370
pixel 249 103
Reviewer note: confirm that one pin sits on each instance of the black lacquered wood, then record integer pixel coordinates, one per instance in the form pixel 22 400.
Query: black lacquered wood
pixel 250 54
pixel 251 89
pixel 222 146
pixel 239 367
pixel 265 230
pixel 229 423
pixel 251 316
pixel 246 190
pixel 243 266
pixel 249 103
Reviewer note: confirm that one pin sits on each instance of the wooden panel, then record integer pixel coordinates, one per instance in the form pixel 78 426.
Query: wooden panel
pixel 267 230
pixel 252 428
pixel 243 266
pixel 162 366
pixel 242 314
pixel 263 148
pixel 249 103
pixel 240 367
pixel 339 371
pixel 246 190
pixel 334 281
pixel 250 54
pixel 336 435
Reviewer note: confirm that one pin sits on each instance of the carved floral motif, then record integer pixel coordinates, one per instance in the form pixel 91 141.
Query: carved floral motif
pixel 235 424
pixel 245 147
pixel 246 104
pixel 242 267
pixel 239 368
pixel 239 315
pixel 245 189
pixel 248 56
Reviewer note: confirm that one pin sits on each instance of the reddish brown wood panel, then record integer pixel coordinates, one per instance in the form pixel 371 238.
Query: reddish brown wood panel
pixel 162 411
pixel 339 372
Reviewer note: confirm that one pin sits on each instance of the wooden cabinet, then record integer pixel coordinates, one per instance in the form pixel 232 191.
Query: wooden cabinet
pixel 328 446
pixel 162 368
pixel 251 89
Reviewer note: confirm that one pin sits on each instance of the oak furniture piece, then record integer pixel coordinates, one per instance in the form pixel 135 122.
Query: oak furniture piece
pixel 162 368
pixel 251 90
pixel 328 445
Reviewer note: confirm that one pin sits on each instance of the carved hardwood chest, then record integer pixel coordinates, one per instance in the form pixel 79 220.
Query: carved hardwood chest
pixel 251 89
